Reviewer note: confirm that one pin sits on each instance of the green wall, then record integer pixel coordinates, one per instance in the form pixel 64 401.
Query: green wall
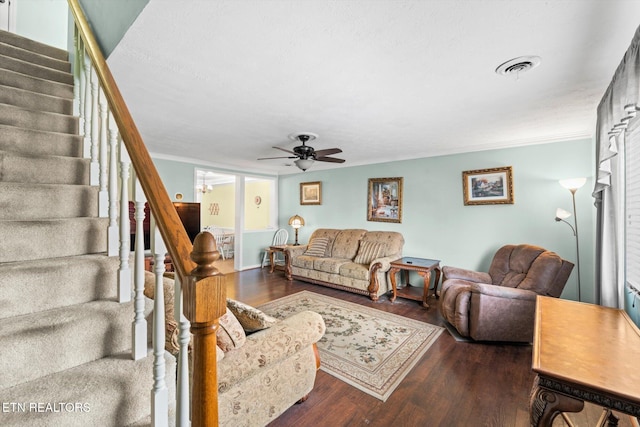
pixel 45 21
pixel 435 222
pixel 110 20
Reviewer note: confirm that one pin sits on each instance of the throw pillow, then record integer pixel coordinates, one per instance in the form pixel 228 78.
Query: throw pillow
pixel 250 318
pixel 317 247
pixel 230 334
pixel 368 251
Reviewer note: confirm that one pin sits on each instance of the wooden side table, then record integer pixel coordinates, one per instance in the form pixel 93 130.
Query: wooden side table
pixel 583 352
pixel 424 267
pixel 272 251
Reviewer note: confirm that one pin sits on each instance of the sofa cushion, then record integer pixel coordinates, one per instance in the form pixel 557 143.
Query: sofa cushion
pixel 249 317
pixel 392 241
pixel 230 334
pixel 330 233
pixel 346 243
pixel 303 261
pixel 317 247
pixel 329 265
pixel 353 270
pixel 368 251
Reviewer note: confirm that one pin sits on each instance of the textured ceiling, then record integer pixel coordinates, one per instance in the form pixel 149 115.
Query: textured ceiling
pixel 224 81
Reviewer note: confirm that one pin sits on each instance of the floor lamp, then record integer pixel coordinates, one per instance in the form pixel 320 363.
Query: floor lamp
pixel 561 215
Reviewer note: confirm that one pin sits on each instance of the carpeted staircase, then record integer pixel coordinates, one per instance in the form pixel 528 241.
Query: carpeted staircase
pixel 64 340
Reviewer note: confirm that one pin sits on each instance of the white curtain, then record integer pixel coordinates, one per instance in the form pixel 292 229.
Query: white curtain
pixel 618 106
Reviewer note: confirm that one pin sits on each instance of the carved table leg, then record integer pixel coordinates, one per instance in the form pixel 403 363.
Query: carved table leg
pixel 394 286
pixel 545 405
pixel 427 283
pixel 272 261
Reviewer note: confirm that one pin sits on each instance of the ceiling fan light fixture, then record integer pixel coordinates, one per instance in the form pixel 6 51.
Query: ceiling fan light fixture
pixel 304 164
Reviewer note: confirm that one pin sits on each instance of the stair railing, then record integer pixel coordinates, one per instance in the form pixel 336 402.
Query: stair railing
pixel 112 141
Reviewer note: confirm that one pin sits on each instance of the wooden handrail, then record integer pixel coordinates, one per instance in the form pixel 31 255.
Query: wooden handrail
pixel 167 219
pixel 204 289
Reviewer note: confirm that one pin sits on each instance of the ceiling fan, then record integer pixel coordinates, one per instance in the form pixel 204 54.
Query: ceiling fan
pixel 305 154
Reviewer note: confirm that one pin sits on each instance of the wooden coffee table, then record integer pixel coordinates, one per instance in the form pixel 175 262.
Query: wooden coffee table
pixel 424 267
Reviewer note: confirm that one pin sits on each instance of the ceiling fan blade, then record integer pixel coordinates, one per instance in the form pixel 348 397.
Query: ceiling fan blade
pixel 328 152
pixel 329 159
pixel 285 150
pixel 283 157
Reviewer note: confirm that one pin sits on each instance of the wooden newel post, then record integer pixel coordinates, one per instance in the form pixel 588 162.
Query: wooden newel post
pixel 205 301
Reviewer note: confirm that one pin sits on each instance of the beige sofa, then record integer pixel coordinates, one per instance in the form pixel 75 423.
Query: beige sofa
pixel 354 260
pixel 265 365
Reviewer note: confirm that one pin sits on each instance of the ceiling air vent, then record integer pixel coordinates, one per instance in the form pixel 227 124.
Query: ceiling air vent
pixel 519 65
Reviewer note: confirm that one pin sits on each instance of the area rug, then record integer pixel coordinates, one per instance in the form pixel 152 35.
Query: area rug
pixel 369 349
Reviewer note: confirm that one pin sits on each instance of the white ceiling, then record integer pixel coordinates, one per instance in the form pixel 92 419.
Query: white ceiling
pixel 224 81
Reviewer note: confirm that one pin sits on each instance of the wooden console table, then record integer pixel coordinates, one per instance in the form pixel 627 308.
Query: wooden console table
pixel 583 352
pixel 424 267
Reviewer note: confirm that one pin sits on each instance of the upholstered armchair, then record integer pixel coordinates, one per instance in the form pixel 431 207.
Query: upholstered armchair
pixel 500 305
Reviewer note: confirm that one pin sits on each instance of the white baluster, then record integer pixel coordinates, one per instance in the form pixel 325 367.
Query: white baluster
pixel 139 347
pixel 103 157
pixel 124 273
pixel 160 393
pixel 76 77
pixel 95 129
pixel 112 242
pixel 182 396
pixel 86 72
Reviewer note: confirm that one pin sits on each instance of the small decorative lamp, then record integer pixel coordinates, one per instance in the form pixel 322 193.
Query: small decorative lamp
pixel 561 215
pixel 296 222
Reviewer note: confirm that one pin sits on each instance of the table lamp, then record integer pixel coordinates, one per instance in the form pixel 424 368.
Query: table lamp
pixel 296 222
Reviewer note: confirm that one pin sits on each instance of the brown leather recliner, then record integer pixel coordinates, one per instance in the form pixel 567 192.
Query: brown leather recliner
pixel 500 305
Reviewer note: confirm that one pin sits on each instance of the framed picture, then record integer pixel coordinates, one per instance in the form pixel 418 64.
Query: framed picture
pixel 488 186
pixel 385 200
pixel 311 193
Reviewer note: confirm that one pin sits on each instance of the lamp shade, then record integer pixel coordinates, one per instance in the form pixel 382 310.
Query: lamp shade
pixel 573 183
pixel 304 164
pixel 562 214
pixel 296 221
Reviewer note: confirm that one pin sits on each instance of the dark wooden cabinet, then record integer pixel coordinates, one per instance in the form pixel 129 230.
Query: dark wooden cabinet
pixel 189 214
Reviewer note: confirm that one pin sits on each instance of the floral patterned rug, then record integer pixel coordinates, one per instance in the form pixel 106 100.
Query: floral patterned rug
pixel 369 349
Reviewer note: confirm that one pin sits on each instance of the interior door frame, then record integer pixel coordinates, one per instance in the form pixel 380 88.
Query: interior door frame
pixel 8 9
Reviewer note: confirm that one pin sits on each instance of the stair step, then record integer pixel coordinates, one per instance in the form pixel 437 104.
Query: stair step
pixel 43 169
pixel 30 240
pixel 39 143
pixel 35 70
pixel 27 201
pixel 35 101
pixel 115 389
pixel 34 46
pixel 35 84
pixel 38 120
pixel 40 344
pixel 12 51
pixel 56 282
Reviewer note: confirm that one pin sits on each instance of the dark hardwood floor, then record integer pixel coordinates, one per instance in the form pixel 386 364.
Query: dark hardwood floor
pixel 454 384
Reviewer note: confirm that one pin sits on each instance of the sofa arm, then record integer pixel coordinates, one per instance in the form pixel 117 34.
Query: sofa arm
pixel 503 291
pixel 462 274
pixel 269 346
pixel 385 263
pixel 295 251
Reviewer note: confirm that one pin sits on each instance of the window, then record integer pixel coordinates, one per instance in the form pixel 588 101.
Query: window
pixel 632 205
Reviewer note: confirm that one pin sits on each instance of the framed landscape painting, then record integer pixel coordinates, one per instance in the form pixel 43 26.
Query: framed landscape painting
pixel 385 200
pixel 488 186
pixel 311 193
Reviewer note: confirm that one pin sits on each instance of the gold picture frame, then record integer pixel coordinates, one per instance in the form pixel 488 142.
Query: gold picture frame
pixel 385 200
pixel 311 193
pixel 488 186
